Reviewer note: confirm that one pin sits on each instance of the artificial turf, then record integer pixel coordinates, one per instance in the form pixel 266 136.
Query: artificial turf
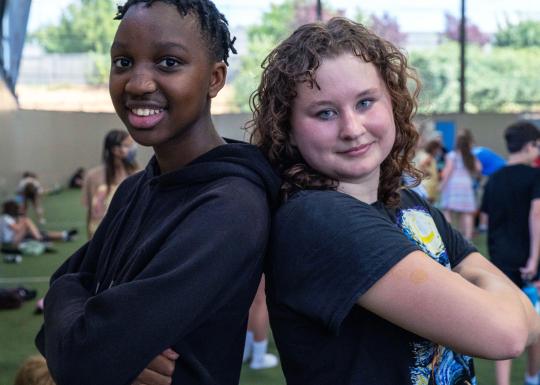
pixel 18 327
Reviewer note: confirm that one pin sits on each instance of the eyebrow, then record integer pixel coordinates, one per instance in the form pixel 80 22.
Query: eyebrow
pixel 161 46
pixel 118 45
pixel 369 91
pixel 171 45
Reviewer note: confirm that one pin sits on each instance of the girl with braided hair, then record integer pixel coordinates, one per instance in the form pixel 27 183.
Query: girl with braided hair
pixel 176 262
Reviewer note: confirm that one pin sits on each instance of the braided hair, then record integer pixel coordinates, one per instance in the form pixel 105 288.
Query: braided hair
pixel 214 25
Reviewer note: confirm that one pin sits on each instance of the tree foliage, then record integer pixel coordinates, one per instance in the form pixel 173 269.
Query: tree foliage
pixel 388 28
pixel 523 34
pixel 497 80
pixel 472 31
pixel 86 26
pixel 276 25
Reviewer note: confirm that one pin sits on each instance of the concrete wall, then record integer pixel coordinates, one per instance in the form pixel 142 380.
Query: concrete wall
pixel 7 101
pixel 8 107
pixel 486 128
pixel 54 144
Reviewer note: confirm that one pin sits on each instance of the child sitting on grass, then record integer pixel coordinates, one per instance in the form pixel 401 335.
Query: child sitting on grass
pixel 16 228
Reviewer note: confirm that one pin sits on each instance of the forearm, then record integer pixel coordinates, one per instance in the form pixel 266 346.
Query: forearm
pixel 82 339
pixel 61 314
pixel 507 294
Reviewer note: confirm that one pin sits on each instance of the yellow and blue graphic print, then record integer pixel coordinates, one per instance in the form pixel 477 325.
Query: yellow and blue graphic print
pixel 433 364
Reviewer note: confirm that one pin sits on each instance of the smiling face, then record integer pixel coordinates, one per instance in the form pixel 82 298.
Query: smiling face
pixel 346 128
pixel 162 78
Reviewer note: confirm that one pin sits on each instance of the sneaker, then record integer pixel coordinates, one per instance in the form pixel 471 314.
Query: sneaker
pixel 268 361
pixel 26 294
pixel 71 234
pixel 39 306
pixel 12 258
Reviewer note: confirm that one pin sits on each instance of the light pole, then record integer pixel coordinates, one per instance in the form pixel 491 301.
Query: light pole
pixel 319 10
pixel 462 61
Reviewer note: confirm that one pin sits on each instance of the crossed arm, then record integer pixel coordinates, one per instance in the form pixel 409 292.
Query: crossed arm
pixel 474 309
pixel 80 325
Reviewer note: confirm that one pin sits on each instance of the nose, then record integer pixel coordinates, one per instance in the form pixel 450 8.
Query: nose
pixel 351 125
pixel 141 82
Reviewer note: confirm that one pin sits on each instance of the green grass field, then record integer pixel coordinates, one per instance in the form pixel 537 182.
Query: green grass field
pixel 18 327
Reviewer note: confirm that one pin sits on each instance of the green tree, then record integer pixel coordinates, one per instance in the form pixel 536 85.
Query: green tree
pixel 438 70
pixel 500 79
pixel 276 25
pixel 523 34
pixel 85 26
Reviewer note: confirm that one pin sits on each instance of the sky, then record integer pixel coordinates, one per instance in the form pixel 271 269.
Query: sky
pixel 412 15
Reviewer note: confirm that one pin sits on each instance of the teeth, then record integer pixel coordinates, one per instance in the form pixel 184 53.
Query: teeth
pixel 145 111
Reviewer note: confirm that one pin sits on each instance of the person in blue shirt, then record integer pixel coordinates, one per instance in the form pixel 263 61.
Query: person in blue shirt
pixel 491 161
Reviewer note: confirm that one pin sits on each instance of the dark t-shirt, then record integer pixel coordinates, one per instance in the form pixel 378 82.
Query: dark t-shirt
pixel 507 200
pixel 327 250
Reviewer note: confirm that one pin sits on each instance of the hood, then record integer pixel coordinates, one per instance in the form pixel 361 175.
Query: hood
pixel 232 159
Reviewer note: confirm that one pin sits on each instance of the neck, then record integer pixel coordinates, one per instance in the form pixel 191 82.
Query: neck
pixel 182 151
pixel 365 190
pixel 118 164
pixel 518 158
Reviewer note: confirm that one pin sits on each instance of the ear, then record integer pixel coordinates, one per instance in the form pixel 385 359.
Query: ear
pixel 217 79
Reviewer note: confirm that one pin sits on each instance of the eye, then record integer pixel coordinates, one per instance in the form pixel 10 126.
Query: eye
pixel 326 114
pixel 169 63
pixel 121 62
pixel 365 103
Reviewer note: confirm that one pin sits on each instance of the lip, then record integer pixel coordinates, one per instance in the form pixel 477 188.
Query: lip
pixel 145 122
pixel 149 114
pixel 357 150
pixel 150 104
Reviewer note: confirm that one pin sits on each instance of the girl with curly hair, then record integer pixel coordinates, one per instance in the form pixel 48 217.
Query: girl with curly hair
pixel 366 282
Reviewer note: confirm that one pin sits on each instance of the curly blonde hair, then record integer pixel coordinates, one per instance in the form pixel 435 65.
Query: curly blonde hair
pixel 296 60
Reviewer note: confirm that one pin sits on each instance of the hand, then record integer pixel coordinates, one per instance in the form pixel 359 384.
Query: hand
pixel 529 271
pixel 160 370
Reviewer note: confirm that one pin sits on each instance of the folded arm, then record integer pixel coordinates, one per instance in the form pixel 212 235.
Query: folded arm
pixel 474 309
pixel 111 337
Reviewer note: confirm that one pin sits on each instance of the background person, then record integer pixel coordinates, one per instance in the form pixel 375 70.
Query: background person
pixel 30 191
pixel 511 202
pixel 256 346
pixel 76 181
pixel 34 371
pixel 426 162
pixel 458 178
pixel 100 183
pixel 16 227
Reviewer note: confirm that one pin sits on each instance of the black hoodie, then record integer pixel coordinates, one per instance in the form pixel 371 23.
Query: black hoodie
pixel 175 263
